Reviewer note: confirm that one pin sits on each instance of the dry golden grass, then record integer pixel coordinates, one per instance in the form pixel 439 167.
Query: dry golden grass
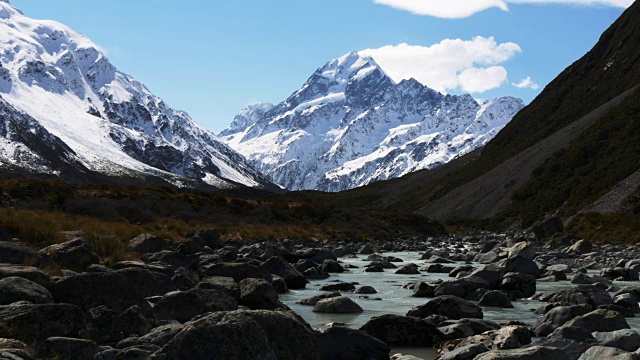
pixel 614 228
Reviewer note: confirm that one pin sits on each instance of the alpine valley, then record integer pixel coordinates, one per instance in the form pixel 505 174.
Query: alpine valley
pixel 67 111
pixel 350 125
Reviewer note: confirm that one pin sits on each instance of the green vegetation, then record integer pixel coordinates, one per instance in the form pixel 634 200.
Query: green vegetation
pixel 613 228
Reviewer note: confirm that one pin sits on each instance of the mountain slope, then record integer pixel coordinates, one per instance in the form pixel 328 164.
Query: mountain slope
pixel 110 123
pixel 350 124
pixel 576 144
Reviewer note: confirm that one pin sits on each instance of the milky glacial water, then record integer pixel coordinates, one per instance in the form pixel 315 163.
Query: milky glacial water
pixel 395 300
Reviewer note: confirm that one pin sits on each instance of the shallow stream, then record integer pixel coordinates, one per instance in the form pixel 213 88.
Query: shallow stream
pixel 396 300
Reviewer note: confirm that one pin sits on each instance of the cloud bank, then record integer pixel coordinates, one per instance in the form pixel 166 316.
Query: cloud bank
pixel 470 65
pixel 455 9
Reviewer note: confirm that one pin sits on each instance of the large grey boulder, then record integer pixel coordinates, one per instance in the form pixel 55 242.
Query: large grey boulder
pixel 581 247
pixel 591 295
pixel 557 317
pixel 528 353
pixel 148 283
pixel 185 305
pixel 521 265
pixel 495 298
pixel 258 294
pixel 523 249
pixel 461 287
pixel 600 320
pixel 452 307
pixel 518 285
pixel 90 290
pixel 339 343
pixel 626 339
pixel 278 266
pixel 314 299
pixel 509 337
pixel 609 353
pixel 29 323
pixel 61 348
pixel 237 271
pixel 401 331
pixel 16 253
pixel 224 284
pixel 468 352
pixel 74 255
pixel 26 272
pixel 492 275
pixel 147 243
pixel 243 335
pixel 14 289
pixel 340 305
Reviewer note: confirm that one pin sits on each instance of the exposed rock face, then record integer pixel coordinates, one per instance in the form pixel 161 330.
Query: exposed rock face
pixel 74 255
pixel 243 335
pixel 350 125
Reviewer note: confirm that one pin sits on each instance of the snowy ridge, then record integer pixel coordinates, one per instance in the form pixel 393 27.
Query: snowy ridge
pixel 350 125
pixel 111 123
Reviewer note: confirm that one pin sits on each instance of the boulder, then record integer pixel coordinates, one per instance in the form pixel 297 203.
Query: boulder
pixel 258 294
pixel 26 272
pixel 339 343
pixel 523 249
pixel 147 243
pixel 557 317
pixel 243 335
pixel 422 289
pixel 184 279
pixel 452 307
pixel 620 274
pixel 629 301
pixel 185 305
pixel 468 352
pixel 492 275
pixel 590 295
pixel 408 269
pixel 14 289
pixel 62 348
pixel 28 322
pixel 521 265
pixel 16 253
pixel 148 283
pixel 279 266
pixel 527 353
pixel 600 320
pixel 518 285
pixel 340 286
pixel 461 287
pixel 604 352
pixel 90 290
pixel 160 336
pixel 547 228
pixel 237 271
pixel 74 255
pixel 366 290
pixel 625 339
pixel 337 305
pixel 403 331
pixel 331 266
pixel 495 299
pixel 581 247
pixel 314 299
pixel 508 337
pixel 224 284
pixel 486 258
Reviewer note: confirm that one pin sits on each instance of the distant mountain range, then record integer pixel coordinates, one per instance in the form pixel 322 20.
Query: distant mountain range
pixel 67 111
pixel 350 125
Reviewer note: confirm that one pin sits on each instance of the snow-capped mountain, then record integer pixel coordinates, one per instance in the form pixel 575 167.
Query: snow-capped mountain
pixel 85 114
pixel 351 124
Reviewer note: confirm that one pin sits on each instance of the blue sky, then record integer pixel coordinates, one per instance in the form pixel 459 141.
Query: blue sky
pixel 212 58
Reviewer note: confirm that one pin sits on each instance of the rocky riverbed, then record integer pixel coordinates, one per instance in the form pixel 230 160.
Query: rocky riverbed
pixel 485 296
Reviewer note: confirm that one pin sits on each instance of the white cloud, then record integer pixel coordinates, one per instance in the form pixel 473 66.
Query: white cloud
pixel 527 83
pixel 475 80
pixel 454 9
pixel 448 65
